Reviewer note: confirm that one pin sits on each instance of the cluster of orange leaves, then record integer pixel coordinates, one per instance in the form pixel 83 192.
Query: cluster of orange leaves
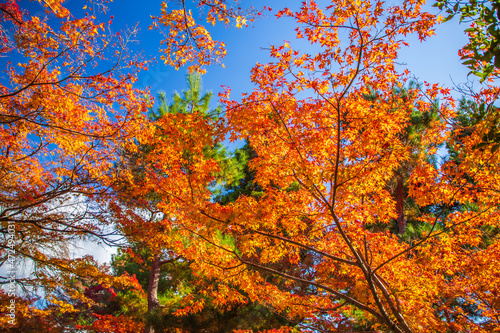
pixel 343 149
pixel 310 253
pixel 189 42
pixel 63 121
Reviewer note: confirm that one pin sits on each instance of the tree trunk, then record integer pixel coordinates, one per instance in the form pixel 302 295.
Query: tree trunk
pixel 153 302
pixel 400 205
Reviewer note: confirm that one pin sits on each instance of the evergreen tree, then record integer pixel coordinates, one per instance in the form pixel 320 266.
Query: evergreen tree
pixel 242 178
pixel 169 279
pixel 191 101
pixel 406 224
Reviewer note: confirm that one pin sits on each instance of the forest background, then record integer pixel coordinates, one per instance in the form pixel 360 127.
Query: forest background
pixel 350 197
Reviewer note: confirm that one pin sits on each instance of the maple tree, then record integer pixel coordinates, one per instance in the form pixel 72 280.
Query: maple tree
pixel 306 232
pixel 189 42
pixel 342 149
pixel 66 103
pixel 188 301
pixel 183 134
pixel 178 285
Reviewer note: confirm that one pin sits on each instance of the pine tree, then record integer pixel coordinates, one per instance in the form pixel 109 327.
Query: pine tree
pixel 170 278
pixel 191 101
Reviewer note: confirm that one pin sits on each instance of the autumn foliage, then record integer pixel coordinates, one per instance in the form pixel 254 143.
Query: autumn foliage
pixel 377 202
pixel 65 108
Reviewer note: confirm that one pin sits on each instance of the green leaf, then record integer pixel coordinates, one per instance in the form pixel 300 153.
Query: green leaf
pixel 469 62
pixel 449 17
